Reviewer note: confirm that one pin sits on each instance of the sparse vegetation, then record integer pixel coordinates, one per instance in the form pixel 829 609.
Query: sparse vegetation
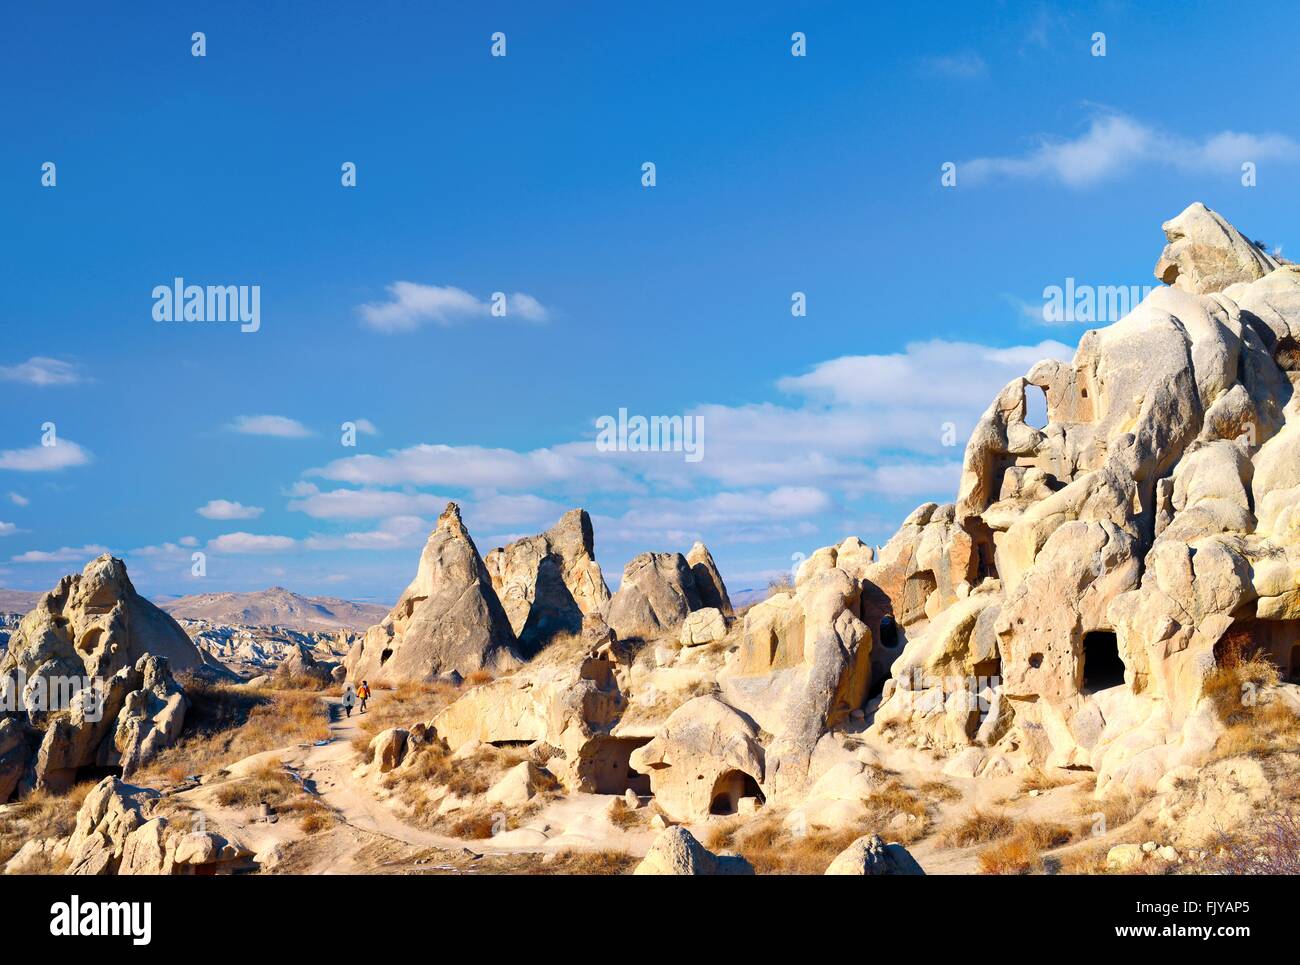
pixel 226 723
pixel 977 827
pixel 40 815
pixel 402 706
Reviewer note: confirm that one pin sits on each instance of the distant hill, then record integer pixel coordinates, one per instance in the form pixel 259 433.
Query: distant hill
pixel 277 607
pixel 18 601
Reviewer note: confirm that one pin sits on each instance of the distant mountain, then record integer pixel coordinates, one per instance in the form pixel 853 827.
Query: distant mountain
pixel 18 601
pixel 277 607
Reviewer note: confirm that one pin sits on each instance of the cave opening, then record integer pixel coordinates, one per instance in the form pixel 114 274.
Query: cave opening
pixel 1102 666
pixel 729 788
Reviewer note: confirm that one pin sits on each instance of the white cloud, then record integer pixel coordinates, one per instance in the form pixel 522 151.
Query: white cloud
pixel 1115 143
pixel 250 543
pixel 7 528
pixel 932 375
pixel 281 427
pixel 412 305
pixel 19 500
pixel 365 427
pixel 362 503
pixel 225 509
pixel 474 467
pixel 394 533
pixel 42 371
pixel 64 554
pixel 963 66
pixel 45 458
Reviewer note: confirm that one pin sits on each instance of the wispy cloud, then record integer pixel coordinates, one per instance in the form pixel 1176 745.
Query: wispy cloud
pixel 63 455
pixel 961 66
pixel 18 499
pixel 226 509
pixel 250 543
pixel 281 427
pixel 362 503
pixel 411 305
pixel 1115 144
pixel 64 554
pixel 7 528
pixel 42 371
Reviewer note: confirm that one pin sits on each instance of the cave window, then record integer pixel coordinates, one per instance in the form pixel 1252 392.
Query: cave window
pixel 1036 407
pixel 1102 666
pixel 383 657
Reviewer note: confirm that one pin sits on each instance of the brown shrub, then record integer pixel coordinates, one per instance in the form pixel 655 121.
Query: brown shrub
pixel 977 828
pixel 41 814
pixel 1014 856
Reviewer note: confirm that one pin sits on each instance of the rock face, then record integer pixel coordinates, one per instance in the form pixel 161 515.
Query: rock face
pixel 1066 608
pixel 91 667
pixel 547 584
pixel 803 665
pixel 657 593
pixel 708 581
pixel 1205 254
pixel 448 619
pixel 571 708
pixel 676 852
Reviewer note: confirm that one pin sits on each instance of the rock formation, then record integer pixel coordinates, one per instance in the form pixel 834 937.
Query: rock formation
pixel 1065 609
pixel 448 619
pixel 708 581
pixel 657 593
pixel 547 584
pixel 88 674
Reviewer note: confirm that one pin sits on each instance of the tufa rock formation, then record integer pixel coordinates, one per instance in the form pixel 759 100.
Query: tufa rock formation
pixel 448 619
pixel 87 682
pixel 547 584
pixel 1087 571
pixel 657 593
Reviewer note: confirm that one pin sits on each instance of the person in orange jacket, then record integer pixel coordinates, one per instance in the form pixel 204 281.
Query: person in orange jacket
pixel 363 693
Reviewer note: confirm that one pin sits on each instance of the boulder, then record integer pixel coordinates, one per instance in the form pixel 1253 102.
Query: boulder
pixel 1205 254
pixel 705 625
pixel 870 855
pixel 676 852
pixel 519 785
pixel 448 619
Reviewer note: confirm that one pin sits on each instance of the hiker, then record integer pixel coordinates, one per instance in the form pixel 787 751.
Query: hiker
pixel 364 693
pixel 349 698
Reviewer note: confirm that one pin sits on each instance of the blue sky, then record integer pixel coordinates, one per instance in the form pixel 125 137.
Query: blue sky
pixel 522 174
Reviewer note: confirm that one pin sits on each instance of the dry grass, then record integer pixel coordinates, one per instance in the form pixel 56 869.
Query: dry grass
pixel 406 704
pixel 1259 724
pixel 893 799
pixel 1037 780
pixel 781 584
pixel 1021 853
pixel 41 815
pixel 478 677
pixel 939 791
pixel 1084 861
pixel 1014 856
pixel 626 818
pixel 280 793
pixel 774 850
pixel 587 863
pixel 433 768
pixel 1111 812
pixel 227 723
pixel 977 827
